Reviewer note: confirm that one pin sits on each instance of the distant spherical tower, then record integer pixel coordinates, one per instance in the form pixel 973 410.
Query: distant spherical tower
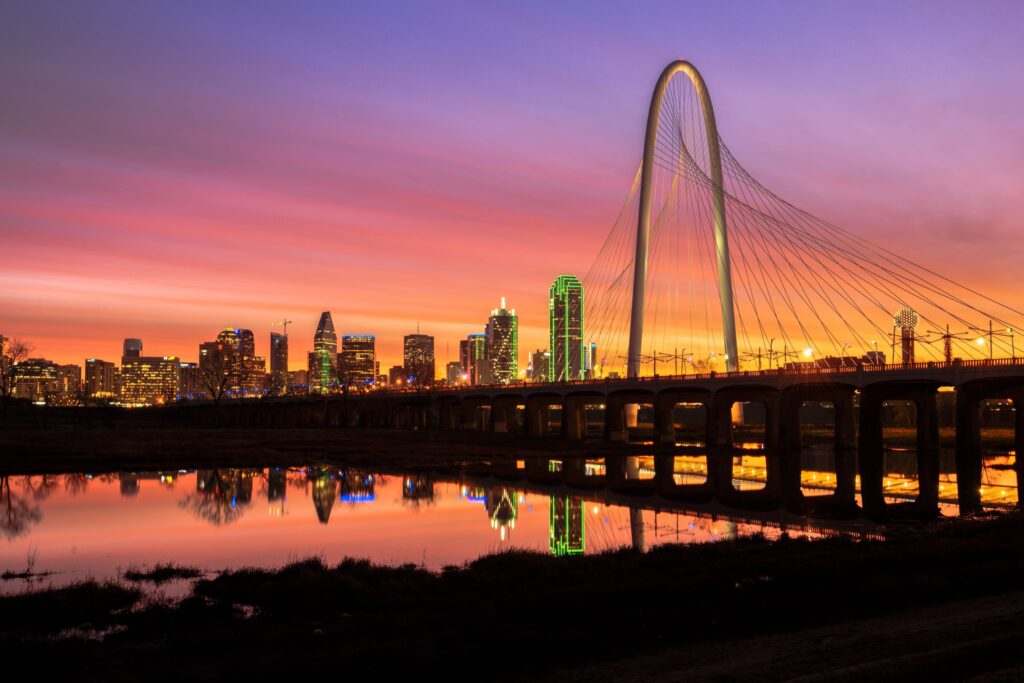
pixel 907 320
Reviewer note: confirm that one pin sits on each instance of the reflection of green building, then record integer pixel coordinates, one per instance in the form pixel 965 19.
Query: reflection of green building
pixel 566 527
pixel 503 508
pixel 325 488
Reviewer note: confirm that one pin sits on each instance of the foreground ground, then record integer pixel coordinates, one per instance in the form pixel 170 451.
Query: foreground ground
pixel 930 603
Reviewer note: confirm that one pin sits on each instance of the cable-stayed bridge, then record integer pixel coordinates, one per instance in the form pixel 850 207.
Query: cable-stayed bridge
pixel 759 302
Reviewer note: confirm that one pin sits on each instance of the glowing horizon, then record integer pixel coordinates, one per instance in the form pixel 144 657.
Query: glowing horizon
pixel 164 176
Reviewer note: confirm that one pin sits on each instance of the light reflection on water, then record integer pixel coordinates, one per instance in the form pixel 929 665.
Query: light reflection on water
pixel 78 525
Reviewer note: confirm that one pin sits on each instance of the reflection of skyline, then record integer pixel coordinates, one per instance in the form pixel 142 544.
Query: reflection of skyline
pixel 502 505
pixel 357 486
pixel 417 490
pixel 566 525
pixel 325 487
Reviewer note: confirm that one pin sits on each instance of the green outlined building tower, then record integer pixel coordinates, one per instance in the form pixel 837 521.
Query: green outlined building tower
pixel 565 326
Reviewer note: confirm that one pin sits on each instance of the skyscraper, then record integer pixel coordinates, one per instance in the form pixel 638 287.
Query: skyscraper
pixel 418 359
pixel 565 312
pixel 324 358
pixel 99 378
pixel 453 373
pixel 246 343
pixel 189 385
pixel 357 362
pixel 279 362
pixel 473 350
pixel 503 343
pixel 248 368
pixel 540 361
pixel 149 380
pixel 132 348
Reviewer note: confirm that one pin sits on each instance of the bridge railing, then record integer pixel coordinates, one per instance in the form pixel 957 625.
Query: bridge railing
pixel 822 370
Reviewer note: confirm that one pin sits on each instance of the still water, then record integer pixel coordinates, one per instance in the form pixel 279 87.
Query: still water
pixel 75 526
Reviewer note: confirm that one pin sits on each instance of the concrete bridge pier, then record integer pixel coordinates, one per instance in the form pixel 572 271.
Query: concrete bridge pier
pixel 871 451
pixel 664 419
pixel 505 414
pixel 968 449
pixel 538 415
pixel 472 419
pixel 574 419
pixel 1018 441
pixel 615 422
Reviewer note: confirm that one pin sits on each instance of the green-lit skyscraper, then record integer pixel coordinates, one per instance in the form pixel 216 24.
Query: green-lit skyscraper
pixel 324 358
pixel 565 310
pixel 503 343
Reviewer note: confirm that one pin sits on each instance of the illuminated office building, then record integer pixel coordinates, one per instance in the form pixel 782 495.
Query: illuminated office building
pixel 473 350
pixel 189 385
pixel 503 343
pixel 149 380
pixel 38 380
pixel 323 360
pixel 418 359
pixel 70 379
pixel 540 360
pixel 453 373
pixel 566 526
pixel 99 378
pixel 231 356
pixel 357 362
pixel 246 343
pixel 132 348
pixel 565 327
pixel 278 362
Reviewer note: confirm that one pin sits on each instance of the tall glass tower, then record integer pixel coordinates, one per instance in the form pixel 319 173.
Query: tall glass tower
pixel 323 360
pixel 279 361
pixel 565 311
pixel 503 343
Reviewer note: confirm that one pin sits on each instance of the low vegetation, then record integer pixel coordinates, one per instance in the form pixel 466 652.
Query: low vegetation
pixel 513 614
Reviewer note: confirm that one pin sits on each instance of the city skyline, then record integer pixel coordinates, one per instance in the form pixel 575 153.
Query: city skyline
pixel 496 187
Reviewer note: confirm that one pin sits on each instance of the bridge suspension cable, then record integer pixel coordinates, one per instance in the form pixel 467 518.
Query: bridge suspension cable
pixel 796 284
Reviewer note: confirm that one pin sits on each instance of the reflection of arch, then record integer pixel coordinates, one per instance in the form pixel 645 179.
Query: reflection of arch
pixel 636 326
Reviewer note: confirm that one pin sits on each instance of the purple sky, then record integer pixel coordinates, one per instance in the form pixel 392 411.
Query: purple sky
pixel 167 169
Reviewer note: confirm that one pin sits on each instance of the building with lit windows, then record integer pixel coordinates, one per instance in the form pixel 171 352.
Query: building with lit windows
pixel 566 526
pixel 418 359
pixel 453 373
pixel 38 380
pixel 503 343
pixel 473 350
pixel 149 380
pixel 323 359
pixel 189 385
pixel 70 380
pixel 565 328
pixel 99 378
pixel 396 376
pixel 278 362
pixel 230 357
pixel 540 360
pixel 357 362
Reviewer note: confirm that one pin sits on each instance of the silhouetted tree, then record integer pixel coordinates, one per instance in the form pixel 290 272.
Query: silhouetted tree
pixel 17 352
pixel 17 512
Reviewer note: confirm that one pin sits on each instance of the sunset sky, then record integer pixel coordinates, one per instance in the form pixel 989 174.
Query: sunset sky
pixel 169 169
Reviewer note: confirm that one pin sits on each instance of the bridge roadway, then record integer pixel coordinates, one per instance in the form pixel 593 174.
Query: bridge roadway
pixel 858 443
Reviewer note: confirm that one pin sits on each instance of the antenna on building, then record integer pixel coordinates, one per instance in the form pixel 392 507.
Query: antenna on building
pixel 502 303
pixel 284 323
